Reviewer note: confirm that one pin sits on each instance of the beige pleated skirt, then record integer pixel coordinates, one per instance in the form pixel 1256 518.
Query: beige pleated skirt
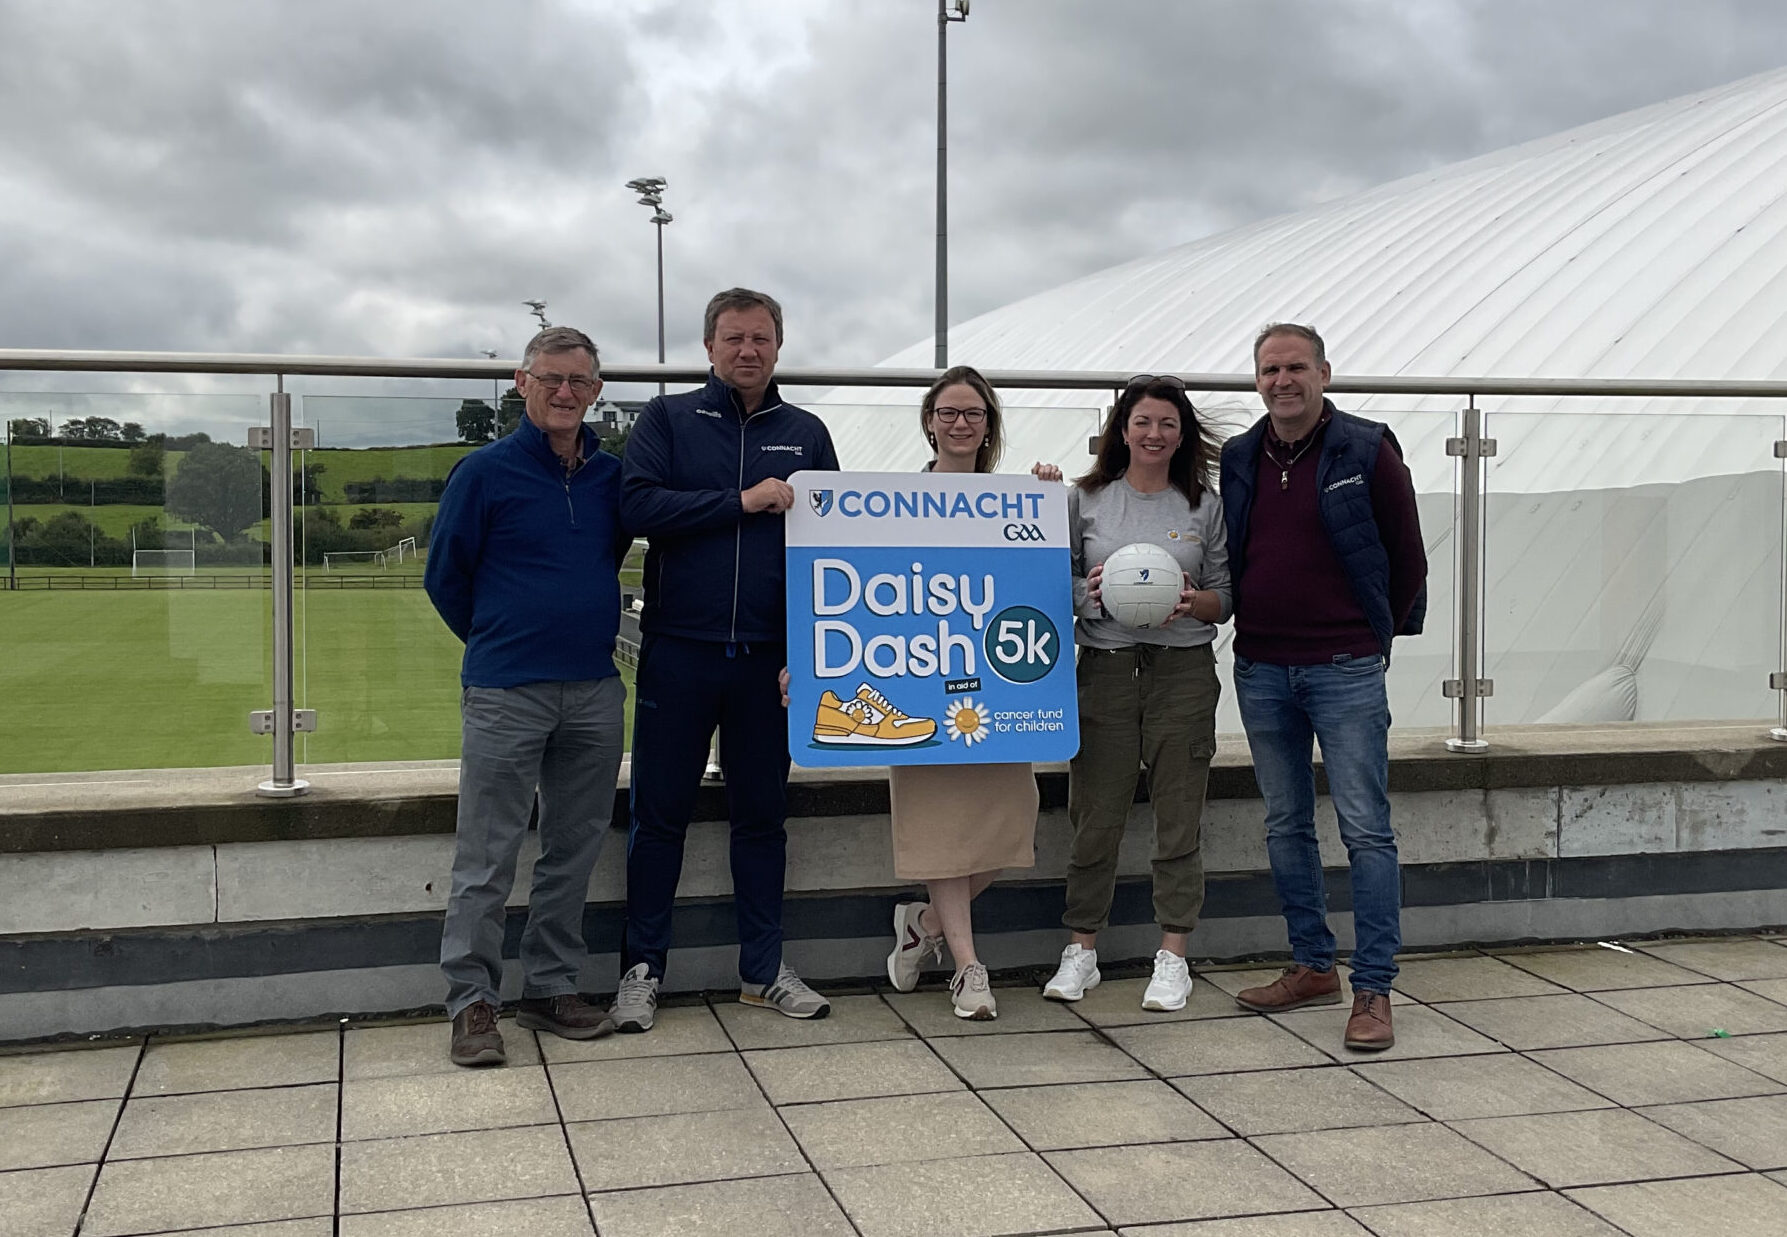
pixel 956 820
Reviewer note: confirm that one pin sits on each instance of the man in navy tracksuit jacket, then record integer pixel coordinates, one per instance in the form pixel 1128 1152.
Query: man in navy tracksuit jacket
pixel 522 566
pixel 705 479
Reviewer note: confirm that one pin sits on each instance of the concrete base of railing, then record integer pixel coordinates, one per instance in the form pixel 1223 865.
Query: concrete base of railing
pixel 180 899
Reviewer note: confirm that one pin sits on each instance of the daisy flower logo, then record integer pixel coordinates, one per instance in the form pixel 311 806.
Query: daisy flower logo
pixel 965 720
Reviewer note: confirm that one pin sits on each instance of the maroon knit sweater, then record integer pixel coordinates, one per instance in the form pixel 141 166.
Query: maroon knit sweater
pixel 1294 604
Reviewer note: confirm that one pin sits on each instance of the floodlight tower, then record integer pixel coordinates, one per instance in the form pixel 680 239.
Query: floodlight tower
pixel 651 193
pixel 947 11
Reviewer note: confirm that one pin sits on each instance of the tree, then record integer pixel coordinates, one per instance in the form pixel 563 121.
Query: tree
pixel 147 459
pixel 132 432
pixel 218 487
pixel 375 517
pixel 509 412
pixel 616 443
pixel 29 427
pixel 477 421
pixel 98 429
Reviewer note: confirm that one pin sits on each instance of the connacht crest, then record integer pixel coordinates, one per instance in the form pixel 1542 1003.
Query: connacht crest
pixel 821 500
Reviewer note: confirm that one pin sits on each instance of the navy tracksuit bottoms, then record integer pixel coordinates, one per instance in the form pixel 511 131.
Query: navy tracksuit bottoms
pixel 684 688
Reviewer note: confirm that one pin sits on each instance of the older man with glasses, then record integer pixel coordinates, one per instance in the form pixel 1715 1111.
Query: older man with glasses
pixel 523 566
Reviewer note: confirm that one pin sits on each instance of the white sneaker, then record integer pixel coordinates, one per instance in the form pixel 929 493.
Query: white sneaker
pixel 910 946
pixel 636 1004
pixel 1075 977
pixel 972 995
pixel 1170 986
pixel 786 994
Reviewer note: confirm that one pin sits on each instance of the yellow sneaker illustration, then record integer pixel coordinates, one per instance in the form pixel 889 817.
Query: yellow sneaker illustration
pixel 868 718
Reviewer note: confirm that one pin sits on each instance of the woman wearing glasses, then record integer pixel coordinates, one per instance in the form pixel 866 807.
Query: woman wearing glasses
pixel 1147 697
pixel 956 826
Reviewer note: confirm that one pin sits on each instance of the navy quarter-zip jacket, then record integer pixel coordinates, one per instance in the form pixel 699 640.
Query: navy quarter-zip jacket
pixel 523 561
pixel 711 571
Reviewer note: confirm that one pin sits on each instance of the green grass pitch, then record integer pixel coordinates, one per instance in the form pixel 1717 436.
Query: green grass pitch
pixel 166 679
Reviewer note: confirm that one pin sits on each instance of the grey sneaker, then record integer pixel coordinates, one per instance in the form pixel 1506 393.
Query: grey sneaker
pixel 787 995
pixel 910 946
pixel 972 995
pixel 636 1004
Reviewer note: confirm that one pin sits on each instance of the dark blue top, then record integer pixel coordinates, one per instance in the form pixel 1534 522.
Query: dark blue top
pixel 712 572
pixel 523 559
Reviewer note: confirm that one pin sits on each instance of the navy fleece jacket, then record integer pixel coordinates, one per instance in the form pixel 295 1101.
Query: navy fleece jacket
pixel 523 559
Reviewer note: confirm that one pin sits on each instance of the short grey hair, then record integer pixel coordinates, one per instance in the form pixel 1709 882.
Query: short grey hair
pixel 1290 328
pixel 739 298
pixel 560 339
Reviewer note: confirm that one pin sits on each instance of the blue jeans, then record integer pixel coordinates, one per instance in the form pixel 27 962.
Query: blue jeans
pixel 1343 705
pixel 561 742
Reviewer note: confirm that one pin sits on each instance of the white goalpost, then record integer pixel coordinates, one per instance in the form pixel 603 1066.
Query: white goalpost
pixel 399 553
pixel 164 562
pixel 333 558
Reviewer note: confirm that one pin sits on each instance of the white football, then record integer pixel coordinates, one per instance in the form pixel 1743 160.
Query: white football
pixel 1141 585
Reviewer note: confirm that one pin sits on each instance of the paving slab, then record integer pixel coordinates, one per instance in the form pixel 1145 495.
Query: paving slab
pixel 974 1197
pixel 1290 1224
pixel 1751 1131
pixel 316 1226
pixel 899 1129
pixel 1460 1088
pixel 467 1099
pixel 1726 957
pixel 421 1048
pixel 1215 1046
pixel 1288 1101
pixel 1520 1215
pixel 653 1086
pixel 1696 1011
pixel 1468 979
pixel 45 1135
pixel 683 1148
pixel 1181 1181
pixel 1671 1072
pixel 1420 1032
pixel 853 1020
pixel 1118 1002
pixel 1765 1054
pixel 850 1071
pixel 230 1187
pixel 1773 989
pixel 1747 1206
pixel 536 1217
pixel 714 1209
pixel 1035 1058
pixel 1598 970
pixel 434 1170
pixel 44 1202
pixel 1102 1114
pixel 677 1030
pixel 66 1074
pixel 932 1014
pixel 225 1121
pixel 1532 1022
pixel 1356 1168
pixel 174 1067
pixel 1565 1149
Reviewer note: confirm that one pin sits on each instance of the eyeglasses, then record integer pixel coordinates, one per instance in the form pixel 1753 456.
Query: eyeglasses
pixel 973 416
pixel 552 382
pixel 1148 380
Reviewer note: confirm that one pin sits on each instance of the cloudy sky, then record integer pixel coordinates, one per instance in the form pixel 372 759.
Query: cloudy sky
pixel 393 178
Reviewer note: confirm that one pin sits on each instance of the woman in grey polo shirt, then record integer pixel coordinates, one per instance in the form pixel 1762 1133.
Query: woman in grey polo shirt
pixel 1147 697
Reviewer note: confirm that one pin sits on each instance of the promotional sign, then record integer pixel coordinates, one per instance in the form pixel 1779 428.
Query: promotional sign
pixel 930 620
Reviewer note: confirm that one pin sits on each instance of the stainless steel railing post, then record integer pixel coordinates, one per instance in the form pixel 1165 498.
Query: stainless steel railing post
pixel 1469 688
pixel 283 783
pixel 1778 680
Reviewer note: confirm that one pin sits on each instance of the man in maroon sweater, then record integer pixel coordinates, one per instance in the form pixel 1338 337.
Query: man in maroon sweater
pixel 1326 557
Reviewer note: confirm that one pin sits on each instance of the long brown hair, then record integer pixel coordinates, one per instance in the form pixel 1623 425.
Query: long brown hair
pixel 992 447
pixel 1192 470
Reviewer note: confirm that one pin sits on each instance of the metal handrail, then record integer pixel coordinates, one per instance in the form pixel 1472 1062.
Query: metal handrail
pixel 825 376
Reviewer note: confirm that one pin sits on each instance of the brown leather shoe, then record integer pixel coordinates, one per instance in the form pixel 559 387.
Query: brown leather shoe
pixel 1298 986
pixel 476 1041
pixel 568 1016
pixel 1368 1030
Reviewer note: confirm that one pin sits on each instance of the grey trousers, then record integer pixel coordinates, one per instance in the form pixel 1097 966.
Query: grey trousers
pixel 564 739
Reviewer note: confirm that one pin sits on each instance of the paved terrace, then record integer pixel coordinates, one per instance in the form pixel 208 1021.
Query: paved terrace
pixel 1576 1091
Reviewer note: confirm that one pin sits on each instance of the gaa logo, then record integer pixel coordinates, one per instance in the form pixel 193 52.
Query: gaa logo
pixel 821 500
pixel 1024 532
